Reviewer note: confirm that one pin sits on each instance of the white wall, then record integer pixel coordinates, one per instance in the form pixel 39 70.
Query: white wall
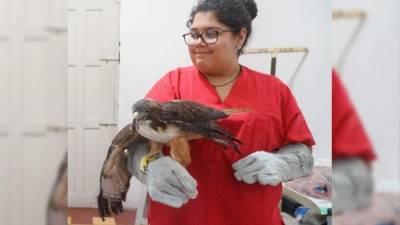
pixel 33 106
pixel 371 74
pixel 294 24
pixel 151 45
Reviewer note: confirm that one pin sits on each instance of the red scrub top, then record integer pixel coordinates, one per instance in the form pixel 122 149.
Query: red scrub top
pixel 349 138
pixel 274 120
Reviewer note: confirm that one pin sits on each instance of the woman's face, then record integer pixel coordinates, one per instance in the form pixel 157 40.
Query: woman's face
pixel 213 58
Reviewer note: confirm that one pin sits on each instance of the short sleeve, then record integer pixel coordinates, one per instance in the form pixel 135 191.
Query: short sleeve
pixel 164 89
pixel 349 138
pixel 294 125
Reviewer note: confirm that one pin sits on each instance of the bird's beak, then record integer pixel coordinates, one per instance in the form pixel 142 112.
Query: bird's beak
pixel 135 114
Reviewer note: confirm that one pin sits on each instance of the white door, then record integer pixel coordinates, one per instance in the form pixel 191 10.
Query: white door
pixel 93 59
pixel 32 106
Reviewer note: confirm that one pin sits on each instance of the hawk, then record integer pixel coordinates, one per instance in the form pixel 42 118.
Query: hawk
pixel 176 122
pixel 155 124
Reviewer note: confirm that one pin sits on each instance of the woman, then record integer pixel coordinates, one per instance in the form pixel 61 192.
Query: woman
pixel 221 187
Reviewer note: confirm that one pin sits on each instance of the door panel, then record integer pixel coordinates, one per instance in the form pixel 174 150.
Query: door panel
pixel 93 75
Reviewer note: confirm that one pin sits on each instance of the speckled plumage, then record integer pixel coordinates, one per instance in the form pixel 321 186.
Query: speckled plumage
pixel 155 124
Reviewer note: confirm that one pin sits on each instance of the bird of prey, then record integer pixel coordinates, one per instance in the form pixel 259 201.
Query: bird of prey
pixel 176 122
pixel 156 124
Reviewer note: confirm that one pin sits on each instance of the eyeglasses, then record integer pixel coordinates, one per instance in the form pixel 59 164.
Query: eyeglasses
pixel 209 36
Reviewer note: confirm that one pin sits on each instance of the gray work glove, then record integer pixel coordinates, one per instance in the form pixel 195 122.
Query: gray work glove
pixel 167 181
pixel 290 162
pixel 352 184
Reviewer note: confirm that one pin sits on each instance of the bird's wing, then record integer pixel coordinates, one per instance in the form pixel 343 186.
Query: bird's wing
pixel 200 119
pixel 189 111
pixel 211 131
pixel 115 176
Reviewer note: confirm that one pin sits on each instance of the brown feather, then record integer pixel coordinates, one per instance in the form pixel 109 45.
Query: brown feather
pixel 189 111
pixel 115 176
pixel 180 150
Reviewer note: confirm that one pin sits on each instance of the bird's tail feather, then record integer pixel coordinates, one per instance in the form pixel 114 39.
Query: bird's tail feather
pixel 224 138
pixel 107 208
pixel 225 143
pixel 103 205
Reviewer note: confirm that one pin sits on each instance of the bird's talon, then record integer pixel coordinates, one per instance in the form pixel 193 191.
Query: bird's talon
pixel 144 162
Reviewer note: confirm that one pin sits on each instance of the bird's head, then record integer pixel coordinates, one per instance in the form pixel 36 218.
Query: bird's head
pixel 142 110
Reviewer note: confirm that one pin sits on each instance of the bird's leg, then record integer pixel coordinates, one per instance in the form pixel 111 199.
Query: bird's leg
pixel 180 150
pixel 154 153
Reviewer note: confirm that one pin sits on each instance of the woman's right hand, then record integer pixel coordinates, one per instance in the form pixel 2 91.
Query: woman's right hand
pixel 169 183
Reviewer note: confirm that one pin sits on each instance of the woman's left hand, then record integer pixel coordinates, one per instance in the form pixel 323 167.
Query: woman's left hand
pixel 261 166
pixel 290 162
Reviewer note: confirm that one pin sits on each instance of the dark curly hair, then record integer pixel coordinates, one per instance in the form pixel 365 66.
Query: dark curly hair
pixel 236 14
